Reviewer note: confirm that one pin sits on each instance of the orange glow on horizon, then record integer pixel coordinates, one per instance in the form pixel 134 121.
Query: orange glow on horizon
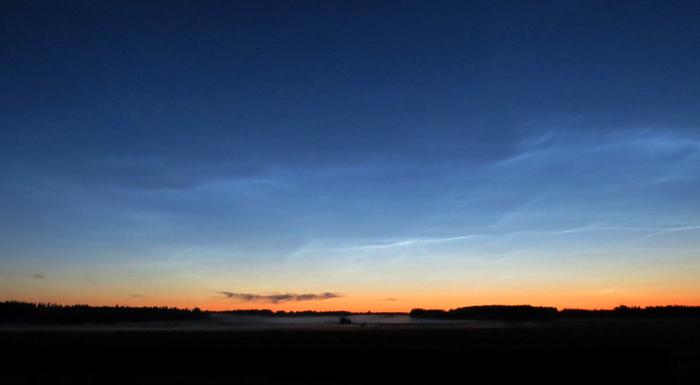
pixel 362 305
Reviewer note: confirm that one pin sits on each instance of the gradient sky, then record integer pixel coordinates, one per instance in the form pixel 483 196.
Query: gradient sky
pixel 350 155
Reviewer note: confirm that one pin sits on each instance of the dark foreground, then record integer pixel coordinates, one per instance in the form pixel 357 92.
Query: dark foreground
pixel 612 351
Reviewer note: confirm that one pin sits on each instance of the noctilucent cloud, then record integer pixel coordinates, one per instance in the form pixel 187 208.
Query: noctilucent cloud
pixel 350 155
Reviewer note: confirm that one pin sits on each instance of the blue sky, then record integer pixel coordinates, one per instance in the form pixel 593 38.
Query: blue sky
pixel 428 153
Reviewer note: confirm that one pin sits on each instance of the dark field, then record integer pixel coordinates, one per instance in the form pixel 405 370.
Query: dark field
pixel 572 351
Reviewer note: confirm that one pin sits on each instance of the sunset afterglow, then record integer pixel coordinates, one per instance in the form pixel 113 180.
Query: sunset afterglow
pixel 350 156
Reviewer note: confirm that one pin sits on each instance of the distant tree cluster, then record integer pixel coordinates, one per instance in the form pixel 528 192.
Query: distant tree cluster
pixel 254 312
pixel 282 313
pixel 635 312
pixel 311 313
pixel 490 312
pixel 48 313
pixel 533 313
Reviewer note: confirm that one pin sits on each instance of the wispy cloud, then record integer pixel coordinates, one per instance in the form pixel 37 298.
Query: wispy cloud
pixel 279 298
pixel 413 242
pixel 673 230
pixel 38 276
pixel 489 234
pixel 585 229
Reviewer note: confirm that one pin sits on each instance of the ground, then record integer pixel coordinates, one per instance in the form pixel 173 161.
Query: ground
pixel 582 351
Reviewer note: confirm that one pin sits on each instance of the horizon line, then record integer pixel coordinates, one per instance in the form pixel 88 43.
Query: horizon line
pixel 352 312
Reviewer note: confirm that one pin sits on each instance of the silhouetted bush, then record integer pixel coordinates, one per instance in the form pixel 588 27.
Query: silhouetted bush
pixel 47 313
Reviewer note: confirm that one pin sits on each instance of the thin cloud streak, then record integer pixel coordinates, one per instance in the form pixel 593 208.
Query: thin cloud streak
pixel 602 228
pixel 673 230
pixel 655 231
pixel 412 242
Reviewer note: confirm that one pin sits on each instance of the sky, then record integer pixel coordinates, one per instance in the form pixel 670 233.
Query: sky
pixel 359 155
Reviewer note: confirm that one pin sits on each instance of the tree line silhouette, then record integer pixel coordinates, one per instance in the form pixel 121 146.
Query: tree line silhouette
pixel 49 313
pixel 282 313
pixel 489 312
pixel 672 311
pixel 539 313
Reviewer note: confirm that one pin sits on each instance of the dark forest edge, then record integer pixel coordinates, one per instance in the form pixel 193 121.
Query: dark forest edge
pixel 48 313
pixel 540 313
